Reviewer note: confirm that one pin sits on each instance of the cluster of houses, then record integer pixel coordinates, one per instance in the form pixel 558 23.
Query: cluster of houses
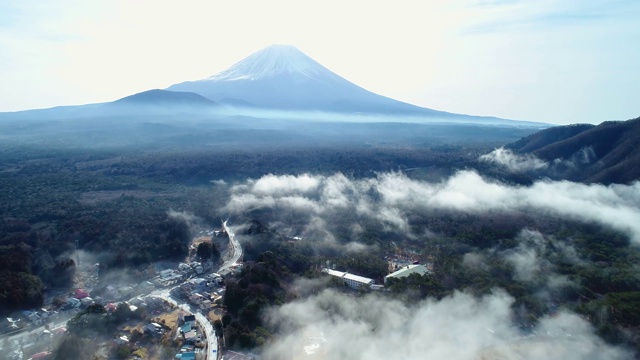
pixel 201 292
pixel 82 298
pixel 34 347
pixel 169 277
pixel 35 317
pixel 153 329
pixel 193 338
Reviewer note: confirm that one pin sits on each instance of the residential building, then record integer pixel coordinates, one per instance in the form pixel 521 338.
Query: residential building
pixel 186 355
pixel 190 319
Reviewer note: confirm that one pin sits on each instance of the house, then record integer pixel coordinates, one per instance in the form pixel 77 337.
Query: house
pixel 80 294
pixel 407 270
pixel 187 348
pixel 32 317
pixel 168 277
pixel 185 328
pixel 72 303
pixel 186 355
pixel 190 319
pixel 191 336
pixel 86 301
pixel 196 298
pixel 41 355
pixel 205 304
pixel 153 329
pixel 197 267
pixel 199 284
pixel 121 340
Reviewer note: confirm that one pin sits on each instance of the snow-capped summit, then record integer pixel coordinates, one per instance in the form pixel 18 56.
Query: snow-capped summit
pixel 273 61
pixel 283 77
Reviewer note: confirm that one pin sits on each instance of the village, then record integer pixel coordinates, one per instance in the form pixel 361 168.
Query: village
pixel 176 307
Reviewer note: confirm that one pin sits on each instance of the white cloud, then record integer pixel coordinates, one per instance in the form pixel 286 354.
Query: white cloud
pixel 188 218
pixel 529 257
pixel 285 184
pixel 475 261
pixel 457 327
pixel 514 162
pixel 391 197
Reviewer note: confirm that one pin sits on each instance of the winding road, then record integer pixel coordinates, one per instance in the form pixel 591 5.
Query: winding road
pixel 235 247
pixel 212 340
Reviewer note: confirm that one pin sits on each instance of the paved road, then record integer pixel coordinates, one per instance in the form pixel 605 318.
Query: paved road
pixel 237 249
pixel 212 340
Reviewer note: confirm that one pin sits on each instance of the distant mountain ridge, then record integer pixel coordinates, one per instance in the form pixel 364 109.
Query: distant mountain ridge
pixel 607 153
pixel 278 82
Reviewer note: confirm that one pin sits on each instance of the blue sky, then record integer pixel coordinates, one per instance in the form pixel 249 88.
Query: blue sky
pixel 554 61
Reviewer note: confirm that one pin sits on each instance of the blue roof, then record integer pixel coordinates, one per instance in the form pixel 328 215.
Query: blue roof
pixel 186 356
pixel 186 328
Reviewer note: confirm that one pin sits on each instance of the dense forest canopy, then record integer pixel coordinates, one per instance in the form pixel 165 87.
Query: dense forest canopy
pixel 543 249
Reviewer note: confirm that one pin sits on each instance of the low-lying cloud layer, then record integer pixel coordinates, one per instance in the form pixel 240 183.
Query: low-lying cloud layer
pixel 514 162
pixel 528 163
pixel 391 197
pixel 532 257
pixel 337 326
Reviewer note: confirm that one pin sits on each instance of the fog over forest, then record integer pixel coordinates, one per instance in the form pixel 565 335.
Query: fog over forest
pixel 393 197
pixel 459 326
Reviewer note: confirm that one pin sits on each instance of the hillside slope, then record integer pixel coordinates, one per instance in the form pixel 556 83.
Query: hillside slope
pixel 607 153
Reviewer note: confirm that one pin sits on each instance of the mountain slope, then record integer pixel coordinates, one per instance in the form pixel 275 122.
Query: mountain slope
pixel 159 97
pixel 151 102
pixel 546 137
pixel 607 153
pixel 154 102
pixel 282 77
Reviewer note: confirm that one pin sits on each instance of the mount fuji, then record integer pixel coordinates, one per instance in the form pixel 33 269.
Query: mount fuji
pixel 277 82
pixel 283 77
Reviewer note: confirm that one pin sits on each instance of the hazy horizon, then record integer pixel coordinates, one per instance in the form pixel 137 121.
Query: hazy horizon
pixel 551 62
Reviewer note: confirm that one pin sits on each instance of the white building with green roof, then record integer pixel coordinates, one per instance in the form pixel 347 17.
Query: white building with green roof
pixel 406 271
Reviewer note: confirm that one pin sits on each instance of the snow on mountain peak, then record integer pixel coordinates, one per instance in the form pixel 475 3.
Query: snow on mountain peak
pixel 272 61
